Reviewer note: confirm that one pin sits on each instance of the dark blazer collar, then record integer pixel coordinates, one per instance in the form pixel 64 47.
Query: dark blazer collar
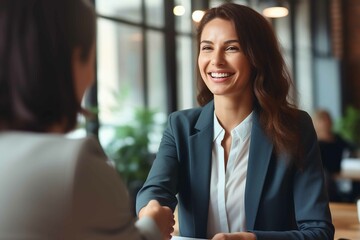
pixel 206 114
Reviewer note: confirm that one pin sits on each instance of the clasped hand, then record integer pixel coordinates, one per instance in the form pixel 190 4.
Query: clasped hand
pixel 162 215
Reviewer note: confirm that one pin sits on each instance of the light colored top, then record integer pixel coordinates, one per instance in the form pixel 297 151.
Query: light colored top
pixel 52 187
pixel 227 186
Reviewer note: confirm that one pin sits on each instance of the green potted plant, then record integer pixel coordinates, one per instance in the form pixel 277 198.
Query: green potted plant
pixel 129 148
pixel 348 126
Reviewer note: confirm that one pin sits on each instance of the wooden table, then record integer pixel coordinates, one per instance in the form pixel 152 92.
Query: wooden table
pixel 345 220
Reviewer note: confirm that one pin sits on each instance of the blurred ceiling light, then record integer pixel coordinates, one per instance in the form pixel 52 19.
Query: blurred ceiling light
pixel 197 15
pixel 275 9
pixel 275 12
pixel 179 10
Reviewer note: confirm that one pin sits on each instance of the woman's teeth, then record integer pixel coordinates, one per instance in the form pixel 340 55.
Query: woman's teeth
pixel 219 75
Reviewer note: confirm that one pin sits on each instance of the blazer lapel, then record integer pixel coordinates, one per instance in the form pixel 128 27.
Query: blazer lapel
pixel 200 168
pixel 200 145
pixel 259 157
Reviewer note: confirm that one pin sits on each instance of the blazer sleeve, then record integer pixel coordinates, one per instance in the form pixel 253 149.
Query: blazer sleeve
pixel 100 203
pixel 162 181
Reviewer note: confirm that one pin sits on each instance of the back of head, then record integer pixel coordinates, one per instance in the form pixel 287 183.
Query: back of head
pixel 37 39
pixel 322 115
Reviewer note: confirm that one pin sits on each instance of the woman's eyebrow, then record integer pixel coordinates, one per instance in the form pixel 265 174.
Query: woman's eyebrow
pixel 206 41
pixel 232 41
pixel 226 42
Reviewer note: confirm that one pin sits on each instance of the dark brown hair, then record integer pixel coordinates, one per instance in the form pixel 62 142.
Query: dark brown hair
pixel 37 39
pixel 269 76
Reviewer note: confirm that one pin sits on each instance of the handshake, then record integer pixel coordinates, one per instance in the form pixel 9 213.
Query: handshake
pixel 163 217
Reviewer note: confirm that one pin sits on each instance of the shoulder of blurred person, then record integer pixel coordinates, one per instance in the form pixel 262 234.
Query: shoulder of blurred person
pixel 76 195
pixel 40 178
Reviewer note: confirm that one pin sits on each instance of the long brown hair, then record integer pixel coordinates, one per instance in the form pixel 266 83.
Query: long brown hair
pixel 37 39
pixel 270 78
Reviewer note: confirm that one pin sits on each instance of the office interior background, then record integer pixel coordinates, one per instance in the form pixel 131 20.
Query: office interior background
pixel 146 56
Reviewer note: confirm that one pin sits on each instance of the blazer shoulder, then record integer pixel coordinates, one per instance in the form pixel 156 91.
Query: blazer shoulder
pixel 305 119
pixel 198 117
pixel 304 115
pixel 187 117
pixel 186 113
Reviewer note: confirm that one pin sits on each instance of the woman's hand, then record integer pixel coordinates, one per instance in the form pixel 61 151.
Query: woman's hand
pixel 163 217
pixel 235 236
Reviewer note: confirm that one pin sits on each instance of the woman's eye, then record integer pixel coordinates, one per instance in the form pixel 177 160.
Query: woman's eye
pixel 205 48
pixel 232 48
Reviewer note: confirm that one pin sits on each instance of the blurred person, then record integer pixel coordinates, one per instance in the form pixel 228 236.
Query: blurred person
pixel 53 187
pixel 246 164
pixel 332 146
pixel 333 149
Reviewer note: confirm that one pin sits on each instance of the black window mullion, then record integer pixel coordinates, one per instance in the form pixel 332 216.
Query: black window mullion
pixel 144 55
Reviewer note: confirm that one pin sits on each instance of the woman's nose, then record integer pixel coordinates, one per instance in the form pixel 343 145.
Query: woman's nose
pixel 217 59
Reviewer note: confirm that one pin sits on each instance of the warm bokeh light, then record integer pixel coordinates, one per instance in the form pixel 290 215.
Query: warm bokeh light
pixel 179 10
pixel 275 12
pixel 197 15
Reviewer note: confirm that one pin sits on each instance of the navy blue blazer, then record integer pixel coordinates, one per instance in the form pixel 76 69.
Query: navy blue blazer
pixel 281 200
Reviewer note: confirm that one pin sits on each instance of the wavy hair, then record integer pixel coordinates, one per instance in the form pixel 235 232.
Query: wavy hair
pixel 271 81
pixel 37 40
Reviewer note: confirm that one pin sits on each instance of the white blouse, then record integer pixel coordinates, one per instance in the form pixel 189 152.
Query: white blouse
pixel 227 186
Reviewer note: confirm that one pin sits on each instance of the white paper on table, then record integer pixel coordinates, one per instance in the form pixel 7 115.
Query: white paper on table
pixel 186 238
pixel 350 164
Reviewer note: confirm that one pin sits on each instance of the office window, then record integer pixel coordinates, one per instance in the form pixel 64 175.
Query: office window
pixel 130 63
pixel 119 70
pixel 156 71
pixel 126 10
pixel 215 3
pixel 186 61
pixel 183 22
pixel 154 13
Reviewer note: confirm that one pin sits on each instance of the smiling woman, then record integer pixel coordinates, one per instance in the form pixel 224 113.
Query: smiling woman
pixel 247 153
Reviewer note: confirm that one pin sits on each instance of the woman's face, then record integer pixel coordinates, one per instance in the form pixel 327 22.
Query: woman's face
pixel 222 63
pixel 84 71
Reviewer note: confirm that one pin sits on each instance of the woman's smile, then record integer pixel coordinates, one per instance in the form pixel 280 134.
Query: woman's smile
pixel 220 76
